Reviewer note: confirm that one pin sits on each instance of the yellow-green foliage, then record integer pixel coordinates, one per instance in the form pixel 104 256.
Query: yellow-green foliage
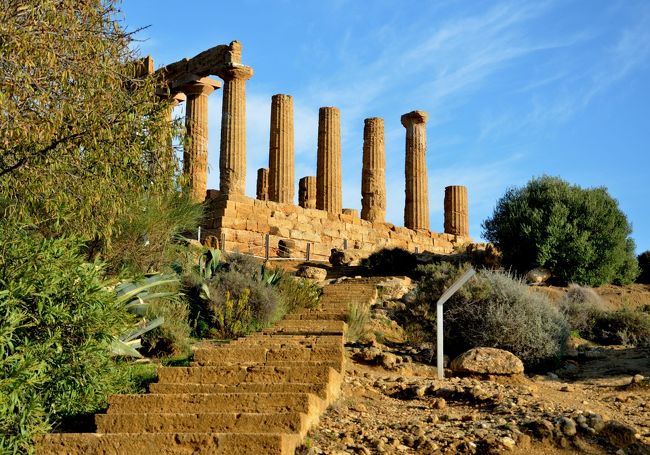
pixel 233 317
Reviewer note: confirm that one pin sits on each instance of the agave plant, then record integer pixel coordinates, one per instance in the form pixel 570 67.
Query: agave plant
pixel 136 298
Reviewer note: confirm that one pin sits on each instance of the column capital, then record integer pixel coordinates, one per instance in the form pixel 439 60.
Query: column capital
pixel 235 71
pixel 203 86
pixel 414 117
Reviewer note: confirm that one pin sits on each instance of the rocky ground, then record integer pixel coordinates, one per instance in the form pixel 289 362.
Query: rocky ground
pixel 397 406
pixel 598 402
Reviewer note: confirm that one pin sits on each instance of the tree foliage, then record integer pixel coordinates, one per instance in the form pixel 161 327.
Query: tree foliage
pixel 581 235
pixel 80 126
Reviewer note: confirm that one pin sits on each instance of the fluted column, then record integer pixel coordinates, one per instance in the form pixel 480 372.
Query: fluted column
pixel 416 209
pixel 232 159
pixel 263 184
pixel 328 164
pixel 307 192
pixel 281 150
pixel 195 153
pixel 456 213
pixel 373 174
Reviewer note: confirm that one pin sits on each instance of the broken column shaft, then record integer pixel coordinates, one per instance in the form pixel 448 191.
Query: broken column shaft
pixel 456 213
pixel 262 192
pixel 195 153
pixel 281 150
pixel 307 192
pixel 416 208
pixel 373 174
pixel 328 164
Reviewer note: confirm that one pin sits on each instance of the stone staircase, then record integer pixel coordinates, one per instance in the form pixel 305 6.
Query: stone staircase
pixel 256 395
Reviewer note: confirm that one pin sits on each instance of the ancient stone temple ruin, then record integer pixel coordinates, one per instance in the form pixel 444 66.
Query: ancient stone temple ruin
pixel 271 221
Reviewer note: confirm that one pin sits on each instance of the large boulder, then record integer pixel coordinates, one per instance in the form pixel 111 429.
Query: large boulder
pixel 538 276
pixel 487 361
pixel 312 273
pixel 345 257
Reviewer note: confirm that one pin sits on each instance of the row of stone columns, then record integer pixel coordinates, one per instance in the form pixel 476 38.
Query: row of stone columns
pixel 323 191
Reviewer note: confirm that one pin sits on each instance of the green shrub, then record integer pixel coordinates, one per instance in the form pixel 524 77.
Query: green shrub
pixel 57 320
pixel 582 308
pixel 296 293
pixel 491 310
pixel 579 234
pixel 147 236
pixel 245 264
pixel 624 326
pixel 644 266
pixel 173 336
pixel 390 261
pixel 356 318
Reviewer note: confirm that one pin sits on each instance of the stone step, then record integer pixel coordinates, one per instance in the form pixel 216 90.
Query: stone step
pixel 167 443
pixel 338 365
pixel 261 354
pixel 322 391
pixel 308 327
pixel 213 402
pixel 231 375
pixel 337 315
pixel 222 422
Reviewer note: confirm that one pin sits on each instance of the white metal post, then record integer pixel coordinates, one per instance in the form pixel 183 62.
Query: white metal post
pixel 439 315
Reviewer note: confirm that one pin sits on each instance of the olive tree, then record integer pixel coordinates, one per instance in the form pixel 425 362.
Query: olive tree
pixel 80 125
pixel 581 235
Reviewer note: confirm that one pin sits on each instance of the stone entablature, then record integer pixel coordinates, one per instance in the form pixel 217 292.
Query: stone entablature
pixel 243 223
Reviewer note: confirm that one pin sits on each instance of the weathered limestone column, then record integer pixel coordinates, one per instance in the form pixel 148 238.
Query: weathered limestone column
pixel 281 150
pixel 416 209
pixel 456 213
pixel 263 184
pixel 195 153
pixel 328 163
pixel 307 192
pixel 232 161
pixel 373 174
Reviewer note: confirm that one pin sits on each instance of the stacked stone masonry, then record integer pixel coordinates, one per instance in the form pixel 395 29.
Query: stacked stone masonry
pixel 243 223
pixel 281 150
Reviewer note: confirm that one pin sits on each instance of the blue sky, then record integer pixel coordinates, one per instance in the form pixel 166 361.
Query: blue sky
pixel 514 89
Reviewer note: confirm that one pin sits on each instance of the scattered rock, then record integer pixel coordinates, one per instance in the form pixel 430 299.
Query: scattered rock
pixel 312 273
pixel 345 257
pixel 538 276
pixel 388 360
pixel 568 426
pixel 487 361
pixel 619 434
pixel 394 288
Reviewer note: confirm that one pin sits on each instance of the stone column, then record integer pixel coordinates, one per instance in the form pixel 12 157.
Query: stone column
pixel 416 209
pixel 307 192
pixel 281 150
pixel 232 160
pixel 195 153
pixel 456 214
pixel 328 164
pixel 263 184
pixel 373 174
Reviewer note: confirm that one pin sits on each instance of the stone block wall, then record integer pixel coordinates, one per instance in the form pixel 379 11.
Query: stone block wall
pixel 243 223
